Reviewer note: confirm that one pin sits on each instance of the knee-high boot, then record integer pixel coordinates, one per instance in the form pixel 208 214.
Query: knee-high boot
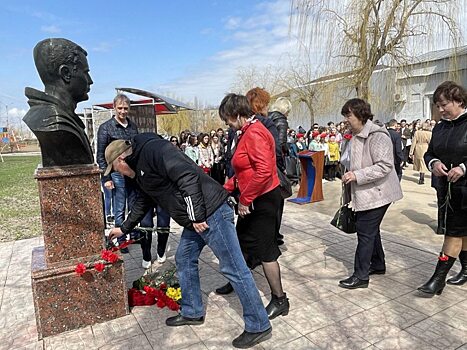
pixel 437 282
pixel 461 277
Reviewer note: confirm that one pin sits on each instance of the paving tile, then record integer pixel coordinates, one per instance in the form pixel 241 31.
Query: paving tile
pixel 223 340
pixel 300 246
pixel 410 278
pixel 301 343
pixel 197 346
pixel 213 326
pixel 369 326
pixel 119 329
pixel 397 314
pixel 337 337
pixel 403 340
pixel 35 345
pixel 139 342
pixel 429 305
pixel 173 338
pixel 455 316
pixel 366 298
pixel 282 333
pixel 151 318
pixel 438 334
pixel 77 339
pixel 388 287
pixel 18 334
pixel 321 314
pixel 306 293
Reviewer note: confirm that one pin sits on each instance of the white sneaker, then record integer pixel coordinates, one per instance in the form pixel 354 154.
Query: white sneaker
pixel 162 259
pixel 146 264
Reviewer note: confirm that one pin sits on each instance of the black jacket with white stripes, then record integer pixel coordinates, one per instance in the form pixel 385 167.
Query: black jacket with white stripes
pixel 168 177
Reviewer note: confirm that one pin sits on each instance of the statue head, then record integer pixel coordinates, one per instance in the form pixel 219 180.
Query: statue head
pixel 62 64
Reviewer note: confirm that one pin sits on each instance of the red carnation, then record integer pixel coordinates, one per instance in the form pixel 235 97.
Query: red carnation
pixel 347 136
pixel 80 269
pixel 105 254
pixel 125 244
pixel 160 303
pixel 172 305
pixel 113 258
pixel 99 267
pixel 163 285
pixel 149 299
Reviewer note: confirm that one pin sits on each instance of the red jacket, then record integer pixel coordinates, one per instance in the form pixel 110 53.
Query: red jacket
pixel 254 162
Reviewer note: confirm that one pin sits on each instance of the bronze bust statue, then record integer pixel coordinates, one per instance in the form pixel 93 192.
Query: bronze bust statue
pixel 63 68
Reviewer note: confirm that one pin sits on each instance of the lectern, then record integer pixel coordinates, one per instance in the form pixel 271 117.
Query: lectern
pixel 311 188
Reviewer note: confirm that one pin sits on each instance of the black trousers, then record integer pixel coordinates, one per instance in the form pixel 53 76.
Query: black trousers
pixel 369 248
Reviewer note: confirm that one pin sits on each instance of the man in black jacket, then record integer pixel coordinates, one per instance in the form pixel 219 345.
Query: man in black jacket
pixel 199 204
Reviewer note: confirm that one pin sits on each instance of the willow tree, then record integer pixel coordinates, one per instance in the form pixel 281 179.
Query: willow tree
pixel 360 34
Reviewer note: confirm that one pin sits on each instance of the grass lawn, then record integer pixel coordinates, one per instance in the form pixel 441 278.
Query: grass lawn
pixel 19 198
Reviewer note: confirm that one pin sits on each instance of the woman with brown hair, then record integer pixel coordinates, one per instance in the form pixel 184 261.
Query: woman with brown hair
pixel 447 160
pixel 258 99
pixel 420 142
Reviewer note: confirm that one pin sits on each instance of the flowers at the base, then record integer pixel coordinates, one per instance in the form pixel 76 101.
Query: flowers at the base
pixel 174 293
pixel 99 267
pixel 160 289
pixel 80 269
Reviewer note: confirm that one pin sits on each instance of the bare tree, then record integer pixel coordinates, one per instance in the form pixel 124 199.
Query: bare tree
pixel 267 77
pixel 364 33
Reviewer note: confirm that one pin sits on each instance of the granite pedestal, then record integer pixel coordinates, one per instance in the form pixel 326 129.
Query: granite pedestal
pixel 73 229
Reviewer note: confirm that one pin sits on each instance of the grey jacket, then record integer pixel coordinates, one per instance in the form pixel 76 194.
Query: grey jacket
pixel 372 162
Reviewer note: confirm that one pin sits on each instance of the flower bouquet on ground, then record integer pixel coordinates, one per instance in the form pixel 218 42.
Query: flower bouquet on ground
pixel 160 288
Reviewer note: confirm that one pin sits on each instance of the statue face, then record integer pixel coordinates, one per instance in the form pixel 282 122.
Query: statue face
pixel 81 80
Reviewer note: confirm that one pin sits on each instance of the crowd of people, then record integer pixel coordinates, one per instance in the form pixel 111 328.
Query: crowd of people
pixel 212 175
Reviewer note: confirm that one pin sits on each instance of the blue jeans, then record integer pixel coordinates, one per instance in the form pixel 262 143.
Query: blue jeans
pixel 119 198
pixel 221 237
pixel 108 194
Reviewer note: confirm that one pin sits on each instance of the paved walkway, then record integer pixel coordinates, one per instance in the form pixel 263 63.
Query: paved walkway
pixel 388 315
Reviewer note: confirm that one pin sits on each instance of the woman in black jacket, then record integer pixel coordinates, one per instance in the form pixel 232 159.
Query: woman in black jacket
pixel 279 111
pixel 447 159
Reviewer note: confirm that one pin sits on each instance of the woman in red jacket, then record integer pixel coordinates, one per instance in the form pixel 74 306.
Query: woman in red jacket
pixel 254 162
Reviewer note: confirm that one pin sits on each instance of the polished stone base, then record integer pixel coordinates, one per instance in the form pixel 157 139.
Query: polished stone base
pixel 64 301
pixel 71 210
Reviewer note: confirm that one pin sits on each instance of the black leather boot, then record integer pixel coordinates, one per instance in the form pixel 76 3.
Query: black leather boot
pixel 227 289
pixel 278 306
pixel 461 277
pixel 437 282
pixel 421 181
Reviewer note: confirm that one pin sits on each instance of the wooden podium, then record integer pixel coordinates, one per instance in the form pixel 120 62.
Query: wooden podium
pixel 311 180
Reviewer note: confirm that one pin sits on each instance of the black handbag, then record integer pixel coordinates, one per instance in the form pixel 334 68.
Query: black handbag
pixel 285 185
pixel 345 218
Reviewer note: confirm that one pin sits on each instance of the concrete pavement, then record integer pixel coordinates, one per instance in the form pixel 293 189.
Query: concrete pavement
pixel 388 315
